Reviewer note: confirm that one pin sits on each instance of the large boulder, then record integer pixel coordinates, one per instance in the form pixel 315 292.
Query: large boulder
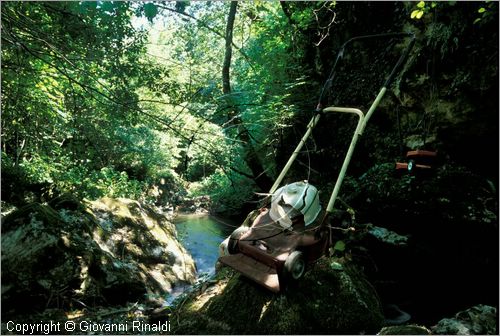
pixel 143 239
pixel 448 220
pixel 325 301
pixel 478 320
pixel 113 252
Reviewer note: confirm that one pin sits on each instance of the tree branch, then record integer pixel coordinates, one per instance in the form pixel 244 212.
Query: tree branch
pixel 203 24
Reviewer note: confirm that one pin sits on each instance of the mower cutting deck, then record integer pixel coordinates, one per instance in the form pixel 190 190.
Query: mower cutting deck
pixel 270 255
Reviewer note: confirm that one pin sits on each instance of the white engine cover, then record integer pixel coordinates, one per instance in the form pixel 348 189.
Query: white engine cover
pixel 301 196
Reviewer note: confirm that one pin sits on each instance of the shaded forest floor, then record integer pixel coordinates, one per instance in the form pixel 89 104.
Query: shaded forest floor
pixel 423 229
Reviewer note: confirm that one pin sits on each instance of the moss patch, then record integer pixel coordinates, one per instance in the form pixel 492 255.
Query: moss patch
pixel 325 301
pixel 108 252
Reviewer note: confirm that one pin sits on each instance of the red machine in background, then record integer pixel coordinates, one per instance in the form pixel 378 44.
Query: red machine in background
pixel 418 160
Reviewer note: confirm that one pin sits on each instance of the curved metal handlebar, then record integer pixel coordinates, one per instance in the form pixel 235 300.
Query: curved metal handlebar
pixel 357 132
pixel 310 126
pixel 363 119
pixel 340 55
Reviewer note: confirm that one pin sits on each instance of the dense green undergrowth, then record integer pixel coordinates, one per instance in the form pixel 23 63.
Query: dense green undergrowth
pixel 126 100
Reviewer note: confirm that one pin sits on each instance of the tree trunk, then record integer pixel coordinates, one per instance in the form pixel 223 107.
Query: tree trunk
pixel 250 156
pixel 226 86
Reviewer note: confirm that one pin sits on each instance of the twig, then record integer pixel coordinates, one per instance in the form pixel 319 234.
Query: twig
pixel 117 311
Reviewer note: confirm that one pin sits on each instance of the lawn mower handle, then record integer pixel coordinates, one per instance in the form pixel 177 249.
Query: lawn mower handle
pixel 362 118
pixel 340 56
pixel 358 131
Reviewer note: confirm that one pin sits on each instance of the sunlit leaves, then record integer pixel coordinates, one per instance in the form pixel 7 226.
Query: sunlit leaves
pixel 421 8
pixel 417 14
pixel 68 95
pixel 486 12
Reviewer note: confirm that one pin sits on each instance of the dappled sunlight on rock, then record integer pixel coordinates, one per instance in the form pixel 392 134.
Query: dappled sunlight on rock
pixel 111 250
pixel 145 238
pixel 324 301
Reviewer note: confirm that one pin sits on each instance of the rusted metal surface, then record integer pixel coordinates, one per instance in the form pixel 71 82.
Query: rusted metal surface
pixel 420 153
pixel 418 160
pixel 404 165
pixel 256 271
pixel 265 247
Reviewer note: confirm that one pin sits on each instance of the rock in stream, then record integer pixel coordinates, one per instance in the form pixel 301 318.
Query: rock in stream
pixel 69 254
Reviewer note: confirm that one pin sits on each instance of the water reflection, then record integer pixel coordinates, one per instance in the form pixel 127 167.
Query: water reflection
pixel 201 236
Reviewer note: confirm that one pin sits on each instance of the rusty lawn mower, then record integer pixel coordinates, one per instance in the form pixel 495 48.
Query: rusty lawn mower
pixel 290 234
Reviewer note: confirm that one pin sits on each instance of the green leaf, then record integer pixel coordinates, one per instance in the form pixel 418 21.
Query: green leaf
pixel 476 20
pixel 150 10
pixel 180 6
pixel 481 10
pixel 421 4
pixel 336 266
pixel 108 6
pixel 433 4
pixel 417 14
pixel 90 4
pixel 339 246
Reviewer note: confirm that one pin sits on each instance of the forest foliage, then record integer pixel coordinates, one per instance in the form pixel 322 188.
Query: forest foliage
pixel 110 98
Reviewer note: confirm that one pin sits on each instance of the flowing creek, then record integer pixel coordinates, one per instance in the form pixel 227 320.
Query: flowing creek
pixel 201 236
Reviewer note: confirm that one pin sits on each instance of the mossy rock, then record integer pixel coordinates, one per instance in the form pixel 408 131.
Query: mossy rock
pixel 32 213
pixel 325 301
pixel 410 329
pixel 408 203
pixel 451 219
pixel 37 269
pixel 66 201
pixel 137 233
pixel 50 258
pixel 478 320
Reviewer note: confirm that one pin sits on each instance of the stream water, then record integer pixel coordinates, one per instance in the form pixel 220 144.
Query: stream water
pixel 201 236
